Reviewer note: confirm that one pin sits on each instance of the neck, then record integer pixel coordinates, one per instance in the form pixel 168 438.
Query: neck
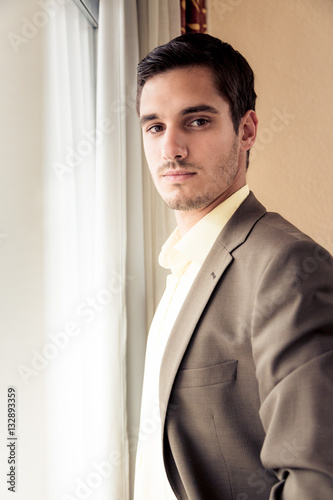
pixel 187 219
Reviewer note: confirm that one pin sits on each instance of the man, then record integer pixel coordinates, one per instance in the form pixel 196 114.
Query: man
pixel 238 386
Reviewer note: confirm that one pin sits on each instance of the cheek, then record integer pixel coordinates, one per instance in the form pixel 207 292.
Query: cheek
pixel 207 146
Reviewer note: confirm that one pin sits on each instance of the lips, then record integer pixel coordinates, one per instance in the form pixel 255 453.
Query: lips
pixel 178 175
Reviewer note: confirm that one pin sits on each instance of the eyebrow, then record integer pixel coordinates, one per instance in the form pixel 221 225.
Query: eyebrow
pixel 186 111
pixel 199 109
pixel 147 118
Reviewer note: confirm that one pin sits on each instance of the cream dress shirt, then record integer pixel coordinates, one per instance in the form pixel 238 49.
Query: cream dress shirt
pixel 184 257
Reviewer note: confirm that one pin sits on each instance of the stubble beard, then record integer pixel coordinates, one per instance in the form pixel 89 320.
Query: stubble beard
pixel 226 168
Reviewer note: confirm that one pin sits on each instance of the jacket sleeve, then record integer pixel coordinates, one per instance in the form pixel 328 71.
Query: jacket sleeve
pixel 293 351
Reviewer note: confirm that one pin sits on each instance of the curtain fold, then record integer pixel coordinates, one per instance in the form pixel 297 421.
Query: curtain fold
pixel 193 16
pixel 119 179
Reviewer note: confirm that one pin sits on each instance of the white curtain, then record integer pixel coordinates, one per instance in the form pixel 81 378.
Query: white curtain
pixel 69 229
pixel 120 171
pixel 91 171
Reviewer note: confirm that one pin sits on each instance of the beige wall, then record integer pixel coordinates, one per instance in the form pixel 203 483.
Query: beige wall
pixel 289 44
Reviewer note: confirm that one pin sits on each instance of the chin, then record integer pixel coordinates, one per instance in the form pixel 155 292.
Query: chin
pixel 187 204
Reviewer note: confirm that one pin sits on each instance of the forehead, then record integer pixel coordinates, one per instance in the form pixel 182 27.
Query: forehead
pixel 180 88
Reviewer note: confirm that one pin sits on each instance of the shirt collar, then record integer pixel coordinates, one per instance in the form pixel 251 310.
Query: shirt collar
pixel 194 246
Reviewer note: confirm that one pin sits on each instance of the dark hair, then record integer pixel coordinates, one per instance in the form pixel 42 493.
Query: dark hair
pixel 233 75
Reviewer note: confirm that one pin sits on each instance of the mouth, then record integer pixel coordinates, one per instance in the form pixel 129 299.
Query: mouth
pixel 178 175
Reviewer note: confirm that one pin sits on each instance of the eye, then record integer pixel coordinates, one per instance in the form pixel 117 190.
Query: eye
pixel 154 129
pixel 199 122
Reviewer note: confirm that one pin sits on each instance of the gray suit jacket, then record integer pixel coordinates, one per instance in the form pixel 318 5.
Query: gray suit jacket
pixel 247 374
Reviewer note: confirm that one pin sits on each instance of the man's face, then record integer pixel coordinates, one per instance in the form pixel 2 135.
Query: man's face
pixel 191 147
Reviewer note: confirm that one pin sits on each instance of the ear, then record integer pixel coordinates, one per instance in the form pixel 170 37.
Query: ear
pixel 248 130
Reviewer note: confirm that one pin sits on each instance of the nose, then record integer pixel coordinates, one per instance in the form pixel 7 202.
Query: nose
pixel 173 146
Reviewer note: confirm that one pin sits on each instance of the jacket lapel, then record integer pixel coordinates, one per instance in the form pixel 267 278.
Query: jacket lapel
pixel 219 258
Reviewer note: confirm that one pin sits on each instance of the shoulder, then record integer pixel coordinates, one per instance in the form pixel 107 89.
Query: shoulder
pixel 270 231
pixel 272 226
pixel 261 241
pixel 273 235
pixel 283 244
